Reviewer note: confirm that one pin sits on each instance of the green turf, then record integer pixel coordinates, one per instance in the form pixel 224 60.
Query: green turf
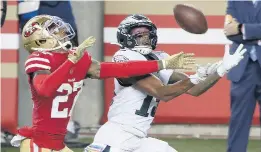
pixel 187 145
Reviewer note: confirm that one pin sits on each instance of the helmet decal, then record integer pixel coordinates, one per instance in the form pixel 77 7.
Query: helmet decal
pixel 30 29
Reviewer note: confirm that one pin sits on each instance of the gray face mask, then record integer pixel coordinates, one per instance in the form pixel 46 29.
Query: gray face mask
pixel 143 39
pixel 62 31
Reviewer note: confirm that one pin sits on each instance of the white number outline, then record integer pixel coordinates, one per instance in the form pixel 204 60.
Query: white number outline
pixel 55 113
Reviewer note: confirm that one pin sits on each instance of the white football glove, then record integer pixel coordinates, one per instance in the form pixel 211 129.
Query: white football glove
pixel 200 75
pixel 208 69
pixel 213 67
pixel 204 71
pixel 231 60
pixel 142 49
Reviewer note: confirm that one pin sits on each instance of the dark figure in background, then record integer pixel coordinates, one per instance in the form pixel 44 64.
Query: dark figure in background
pixel 62 9
pixel 243 25
pixel 3 12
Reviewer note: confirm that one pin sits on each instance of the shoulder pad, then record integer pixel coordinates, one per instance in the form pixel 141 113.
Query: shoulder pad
pixel 38 61
pixel 126 54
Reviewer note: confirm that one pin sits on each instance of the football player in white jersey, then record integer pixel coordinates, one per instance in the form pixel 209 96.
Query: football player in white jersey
pixel 136 99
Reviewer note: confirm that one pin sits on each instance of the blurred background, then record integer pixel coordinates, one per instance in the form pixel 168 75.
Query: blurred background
pixel 197 121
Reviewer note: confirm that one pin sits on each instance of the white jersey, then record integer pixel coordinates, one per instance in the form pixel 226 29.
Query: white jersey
pixel 130 107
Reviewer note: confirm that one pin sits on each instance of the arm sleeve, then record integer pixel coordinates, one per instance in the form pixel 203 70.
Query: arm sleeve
pixel 252 31
pixel 127 56
pixel 46 84
pixel 125 68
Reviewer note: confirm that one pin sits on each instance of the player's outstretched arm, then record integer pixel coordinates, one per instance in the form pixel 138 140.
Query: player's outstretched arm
pixel 199 88
pixel 154 87
pixel 203 86
pixel 221 68
pixel 105 70
pixel 45 82
pixel 211 73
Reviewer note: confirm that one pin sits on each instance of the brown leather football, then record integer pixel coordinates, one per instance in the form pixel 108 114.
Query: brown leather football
pixel 190 19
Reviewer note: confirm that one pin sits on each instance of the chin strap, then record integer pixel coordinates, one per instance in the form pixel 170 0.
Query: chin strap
pixel 143 49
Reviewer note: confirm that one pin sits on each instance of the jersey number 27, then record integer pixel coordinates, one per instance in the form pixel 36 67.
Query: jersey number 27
pixel 55 113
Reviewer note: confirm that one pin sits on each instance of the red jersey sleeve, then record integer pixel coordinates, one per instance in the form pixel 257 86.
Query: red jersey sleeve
pixel 37 61
pixel 47 84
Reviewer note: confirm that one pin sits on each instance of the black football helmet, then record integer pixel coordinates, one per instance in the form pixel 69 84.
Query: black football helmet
pixel 132 21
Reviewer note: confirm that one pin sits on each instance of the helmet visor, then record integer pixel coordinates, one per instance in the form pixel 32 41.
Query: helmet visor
pixel 60 30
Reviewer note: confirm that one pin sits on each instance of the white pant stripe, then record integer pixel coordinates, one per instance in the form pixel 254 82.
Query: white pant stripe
pixel 35 147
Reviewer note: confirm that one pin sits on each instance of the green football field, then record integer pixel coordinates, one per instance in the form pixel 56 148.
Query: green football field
pixel 186 145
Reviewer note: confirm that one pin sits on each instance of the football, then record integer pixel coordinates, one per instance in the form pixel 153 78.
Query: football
pixel 190 19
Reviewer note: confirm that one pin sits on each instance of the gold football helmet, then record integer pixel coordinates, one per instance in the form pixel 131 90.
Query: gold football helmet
pixel 47 33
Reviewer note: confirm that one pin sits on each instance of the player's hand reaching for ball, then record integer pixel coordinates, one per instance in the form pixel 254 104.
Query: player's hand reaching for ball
pixel 203 71
pixel 208 69
pixel 231 60
pixel 179 61
pixel 76 55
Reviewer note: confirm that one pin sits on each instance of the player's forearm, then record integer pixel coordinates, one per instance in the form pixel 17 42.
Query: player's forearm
pixel 204 85
pixel 171 91
pixel 128 69
pixel 46 85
